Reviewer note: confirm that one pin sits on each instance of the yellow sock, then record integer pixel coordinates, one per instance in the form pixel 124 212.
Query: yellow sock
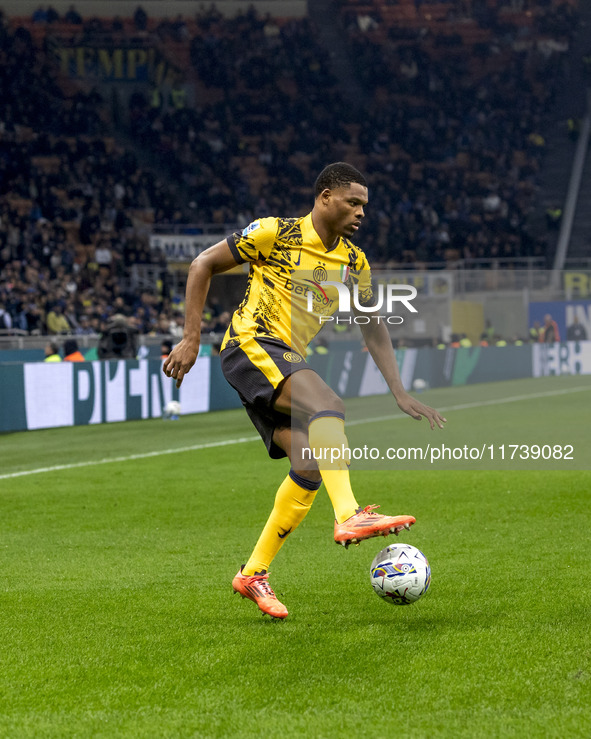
pixel 292 502
pixel 326 433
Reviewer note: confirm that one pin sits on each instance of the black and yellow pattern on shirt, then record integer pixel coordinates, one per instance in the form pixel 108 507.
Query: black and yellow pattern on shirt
pixel 289 262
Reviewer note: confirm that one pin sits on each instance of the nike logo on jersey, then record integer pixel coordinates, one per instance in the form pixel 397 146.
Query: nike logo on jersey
pixel 297 264
pixel 284 534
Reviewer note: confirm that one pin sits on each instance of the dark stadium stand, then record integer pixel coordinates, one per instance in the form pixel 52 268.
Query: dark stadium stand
pixel 459 97
pixel 234 122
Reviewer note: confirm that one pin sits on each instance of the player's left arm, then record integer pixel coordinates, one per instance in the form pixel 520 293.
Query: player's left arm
pixel 379 345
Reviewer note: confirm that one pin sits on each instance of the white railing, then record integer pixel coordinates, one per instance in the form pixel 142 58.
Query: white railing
pixel 196 228
pixel 469 275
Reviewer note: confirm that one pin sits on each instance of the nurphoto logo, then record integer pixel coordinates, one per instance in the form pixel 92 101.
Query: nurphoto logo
pixel 387 296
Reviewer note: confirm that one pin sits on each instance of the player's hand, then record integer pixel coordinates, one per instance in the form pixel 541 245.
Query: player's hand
pixel 180 360
pixel 417 410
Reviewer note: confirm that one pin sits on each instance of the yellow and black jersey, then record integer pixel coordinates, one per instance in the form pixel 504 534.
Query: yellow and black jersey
pixel 285 296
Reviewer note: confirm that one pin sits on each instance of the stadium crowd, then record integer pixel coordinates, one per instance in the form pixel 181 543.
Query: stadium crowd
pixel 456 119
pixel 451 143
pixel 68 196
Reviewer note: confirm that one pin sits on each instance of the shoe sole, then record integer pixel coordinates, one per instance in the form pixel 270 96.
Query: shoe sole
pixel 394 530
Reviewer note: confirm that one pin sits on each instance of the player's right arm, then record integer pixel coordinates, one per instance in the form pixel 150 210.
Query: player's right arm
pixel 218 258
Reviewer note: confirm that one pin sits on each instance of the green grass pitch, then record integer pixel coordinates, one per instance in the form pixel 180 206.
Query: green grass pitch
pixel 117 617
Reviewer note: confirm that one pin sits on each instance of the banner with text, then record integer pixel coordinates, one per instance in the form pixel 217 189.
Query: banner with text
pixel 108 62
pixel 40 395
pixel 37 395
pixel 184 247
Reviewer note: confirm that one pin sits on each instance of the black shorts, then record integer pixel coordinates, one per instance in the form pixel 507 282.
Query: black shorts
pixel 256 369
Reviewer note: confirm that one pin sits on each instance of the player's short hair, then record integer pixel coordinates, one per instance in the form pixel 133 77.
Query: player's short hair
pixel 339 174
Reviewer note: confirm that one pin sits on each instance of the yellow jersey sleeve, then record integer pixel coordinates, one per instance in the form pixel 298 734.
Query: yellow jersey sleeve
pixel 255 242
pixel 361 275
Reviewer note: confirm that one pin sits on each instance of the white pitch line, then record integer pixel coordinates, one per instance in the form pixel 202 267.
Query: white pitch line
pixel 479 404
pixel 130 457
pixel 248 439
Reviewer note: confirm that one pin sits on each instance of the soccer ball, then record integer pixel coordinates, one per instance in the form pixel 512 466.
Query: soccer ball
pixel 400 574
pixel 172 409
pixel 419 385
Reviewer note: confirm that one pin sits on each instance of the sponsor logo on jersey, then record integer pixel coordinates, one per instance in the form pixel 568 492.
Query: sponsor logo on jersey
pixel 292 357
pixel 252 227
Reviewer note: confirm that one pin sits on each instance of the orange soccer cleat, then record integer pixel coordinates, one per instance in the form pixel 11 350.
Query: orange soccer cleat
pixel 365 524
pixel 257 589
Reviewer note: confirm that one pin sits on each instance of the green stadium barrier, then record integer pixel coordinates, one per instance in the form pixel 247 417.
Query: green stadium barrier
pixel 37 395
pixel 21 355
pixel 49 395
pixel 12 398
pixel 464 366
pixel 353 373
pixel 222 396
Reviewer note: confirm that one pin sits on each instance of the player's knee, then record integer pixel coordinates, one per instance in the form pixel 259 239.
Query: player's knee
pixel 310 474
pixel 327 405
pixel 337 405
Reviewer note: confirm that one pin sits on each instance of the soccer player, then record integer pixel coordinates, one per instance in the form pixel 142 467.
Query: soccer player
pixel 263 358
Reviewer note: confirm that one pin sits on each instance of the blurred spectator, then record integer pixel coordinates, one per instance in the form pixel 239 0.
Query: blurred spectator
pixel 221 323
pixel 165 348
pixel 52 352
pixel 71 351
pixel 89 225
pixel 553 216
pixel 52 15
pixel 39 15
pixel 57 323
pixel 140 19
pixel 549 333
pixel 5 318
pixel 535 332
pixel 72 16
pixel 103 255
pixel 177 324
pixel 576 332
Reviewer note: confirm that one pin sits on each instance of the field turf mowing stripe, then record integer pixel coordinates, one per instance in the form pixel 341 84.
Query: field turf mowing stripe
pixel 118 619
pixel 248 439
